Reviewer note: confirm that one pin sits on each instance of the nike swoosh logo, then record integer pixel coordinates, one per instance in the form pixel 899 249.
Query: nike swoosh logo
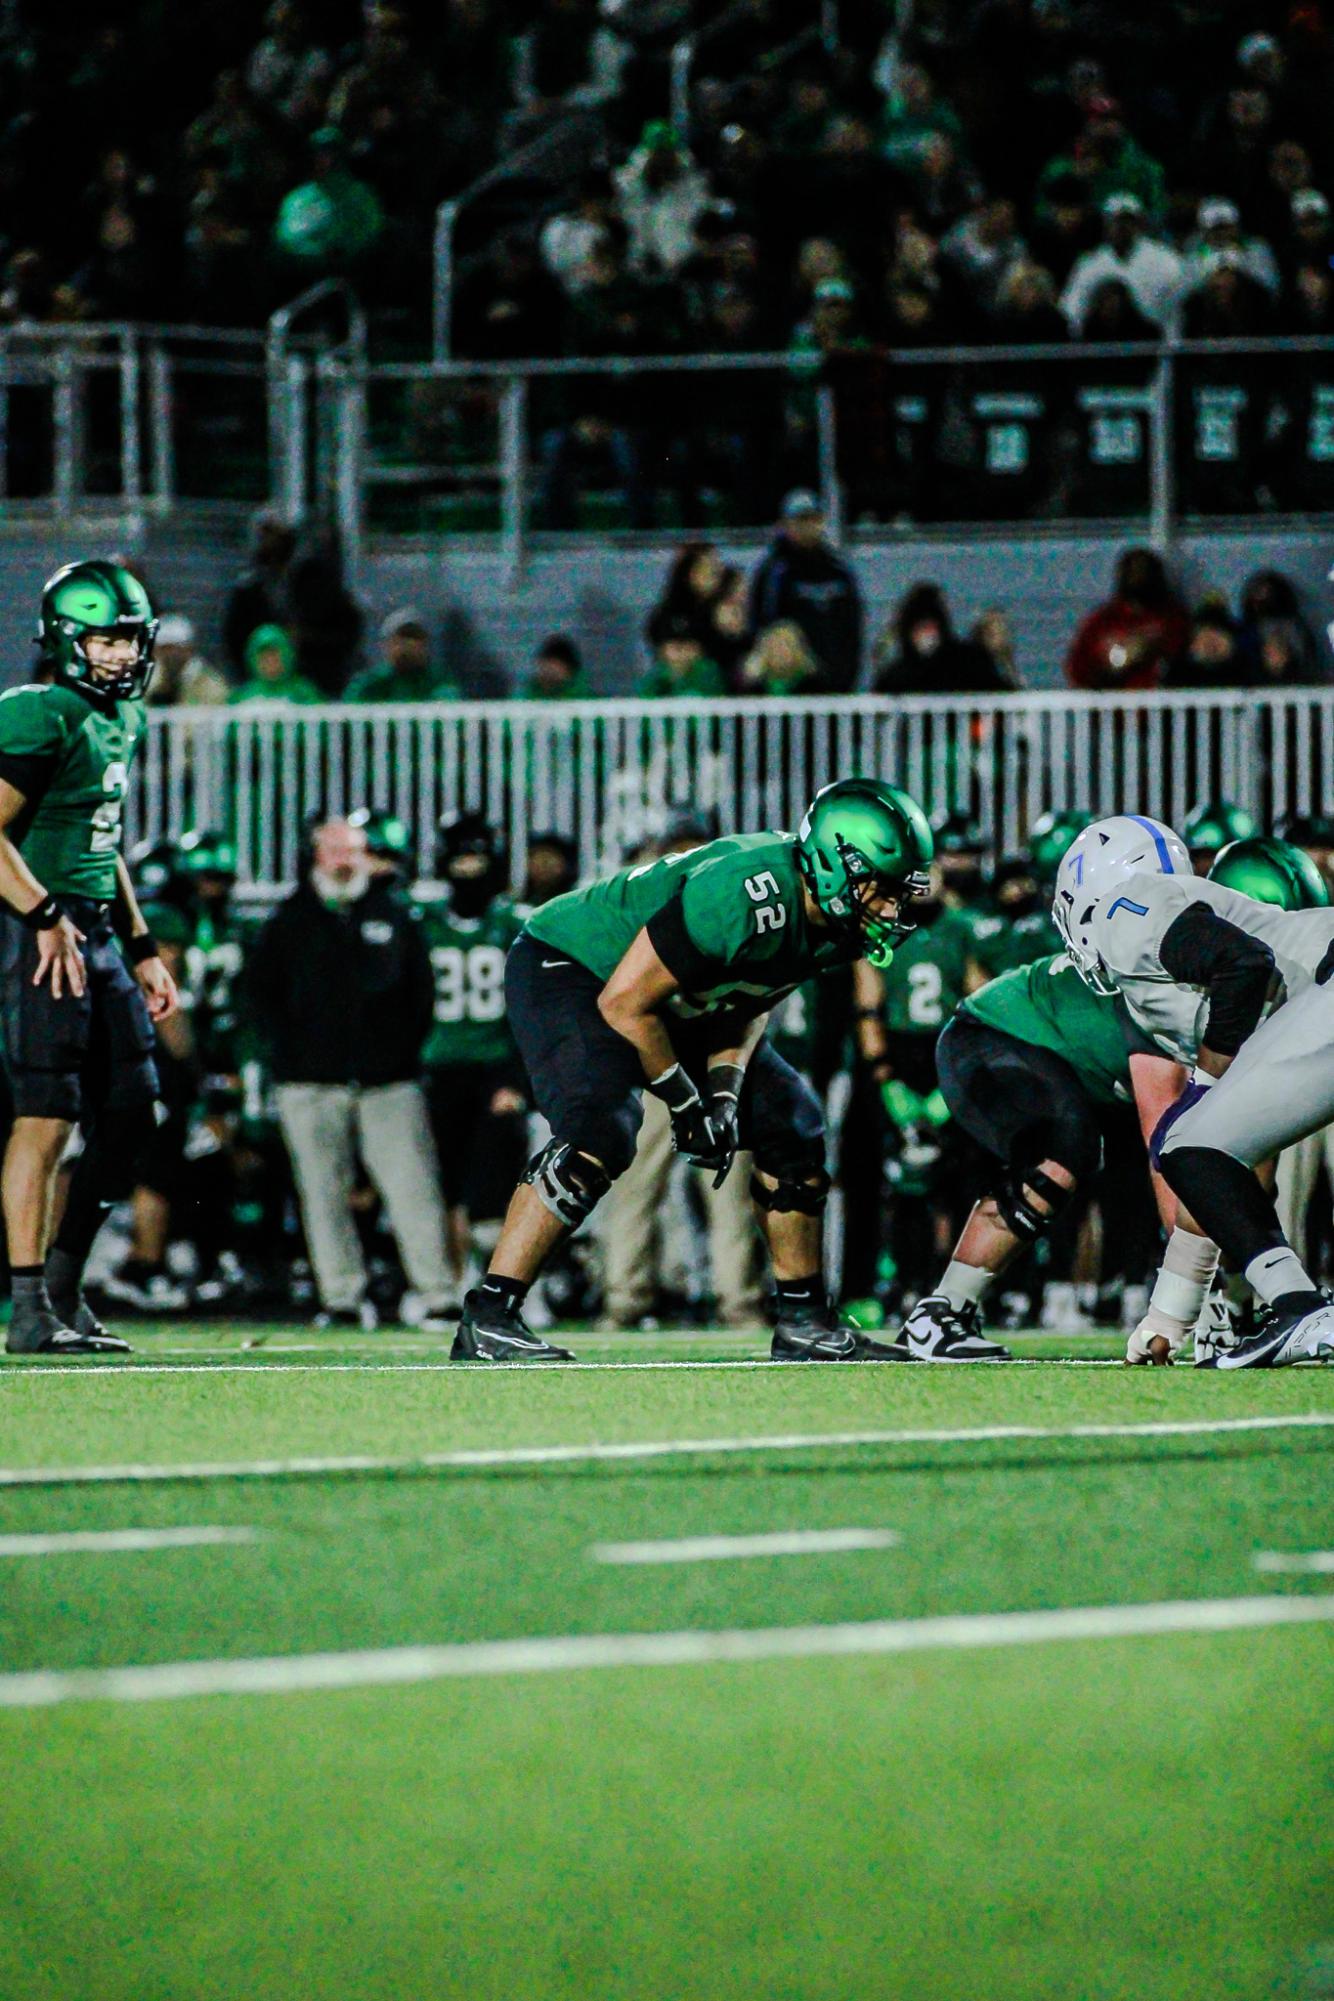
pixel 557 962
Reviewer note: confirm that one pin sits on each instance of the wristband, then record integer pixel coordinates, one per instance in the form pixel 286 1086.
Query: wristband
pixel 726 1080
pixel 675 1089
pixel 44 915
pixel 144 946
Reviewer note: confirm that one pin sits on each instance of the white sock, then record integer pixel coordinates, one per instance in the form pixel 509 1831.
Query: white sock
pixel 1187 1272
pixel 1278 1271
pixel 965 1284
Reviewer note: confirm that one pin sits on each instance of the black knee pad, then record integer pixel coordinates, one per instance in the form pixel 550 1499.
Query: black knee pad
pixel 118 1142
pixel 568 1183
pixel 806 1198
pixel 1017 1207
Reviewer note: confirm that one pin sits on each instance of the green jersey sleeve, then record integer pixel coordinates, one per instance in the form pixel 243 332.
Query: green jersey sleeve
pixel 730 917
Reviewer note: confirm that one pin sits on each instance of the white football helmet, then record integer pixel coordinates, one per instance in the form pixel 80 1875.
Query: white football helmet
pixel 1096 860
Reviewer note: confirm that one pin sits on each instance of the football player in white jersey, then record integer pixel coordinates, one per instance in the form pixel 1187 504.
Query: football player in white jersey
pixel 1200 967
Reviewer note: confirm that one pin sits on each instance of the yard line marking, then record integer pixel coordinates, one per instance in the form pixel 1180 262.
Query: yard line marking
pixel 77 1541
pixel 285 1674
pixel 372 1368
pixel 566 1455
pixel 719 1548
pixel 1298 1562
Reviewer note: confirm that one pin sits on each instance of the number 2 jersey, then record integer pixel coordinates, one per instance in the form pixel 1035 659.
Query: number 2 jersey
pixel 469 1027
pixel 1129 929
pixel 70 758
pixel 727 919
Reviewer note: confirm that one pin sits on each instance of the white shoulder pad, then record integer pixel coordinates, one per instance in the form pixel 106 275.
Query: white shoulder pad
pixel 1127 925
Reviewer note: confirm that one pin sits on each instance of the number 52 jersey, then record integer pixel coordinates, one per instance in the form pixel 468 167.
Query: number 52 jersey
pixel 727 919
pixel 468 965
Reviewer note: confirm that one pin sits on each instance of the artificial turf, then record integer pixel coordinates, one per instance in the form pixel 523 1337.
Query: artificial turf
pixel 1111 1818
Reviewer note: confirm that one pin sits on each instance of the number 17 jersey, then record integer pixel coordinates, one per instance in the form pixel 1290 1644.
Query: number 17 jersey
pixel 468 964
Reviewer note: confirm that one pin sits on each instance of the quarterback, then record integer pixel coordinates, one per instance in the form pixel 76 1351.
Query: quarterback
pixel 82 979
pixel 661 979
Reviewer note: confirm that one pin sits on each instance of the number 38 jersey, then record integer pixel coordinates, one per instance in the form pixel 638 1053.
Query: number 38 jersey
pixel 468 964
pixel 727 919
pixel 70 758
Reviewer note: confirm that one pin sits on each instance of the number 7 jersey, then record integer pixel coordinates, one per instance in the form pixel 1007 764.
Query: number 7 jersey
pixel 70 758
pixel 727 919
pixel 468 965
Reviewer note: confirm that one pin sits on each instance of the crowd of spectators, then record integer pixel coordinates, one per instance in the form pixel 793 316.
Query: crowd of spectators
pixel 796 625
pixel 1000 173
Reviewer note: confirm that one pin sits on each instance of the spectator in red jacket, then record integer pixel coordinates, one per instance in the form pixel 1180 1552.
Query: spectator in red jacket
pixel 1132 639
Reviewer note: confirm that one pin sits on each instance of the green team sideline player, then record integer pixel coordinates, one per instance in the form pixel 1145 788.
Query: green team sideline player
pixel 77 1022
pixel 474 1079
pixel 661 978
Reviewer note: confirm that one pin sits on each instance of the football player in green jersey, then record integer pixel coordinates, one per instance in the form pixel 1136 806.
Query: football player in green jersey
pixel 661 978
pixel 474 1079
pixel 83 981
pixel 1027 1066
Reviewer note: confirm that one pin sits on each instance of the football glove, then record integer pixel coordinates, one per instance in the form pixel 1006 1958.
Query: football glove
pixel 697 1135
pixel 902 1103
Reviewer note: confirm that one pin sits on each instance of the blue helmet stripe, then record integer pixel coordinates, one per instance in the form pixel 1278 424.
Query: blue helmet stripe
pixel 1164 852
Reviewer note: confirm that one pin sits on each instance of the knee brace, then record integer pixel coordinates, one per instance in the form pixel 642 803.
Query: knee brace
pixel 807 1198
pixel 568 1183
pixel 1018 1208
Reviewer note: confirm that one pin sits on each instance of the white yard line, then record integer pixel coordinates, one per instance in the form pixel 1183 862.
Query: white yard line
pixel 92 1541
pixel 574 1455
pixel 37 1370
pixel 1297 1562
pixel 725 1548
pixel 286 1674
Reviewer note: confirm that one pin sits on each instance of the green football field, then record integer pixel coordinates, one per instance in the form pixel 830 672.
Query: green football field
pixel 332 1671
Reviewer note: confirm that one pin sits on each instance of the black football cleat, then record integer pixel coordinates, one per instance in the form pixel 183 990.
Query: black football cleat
pixel 41 1332
pixel 815 1334
pixel 871 1350
pixel 1298 1328
pixel 490 1331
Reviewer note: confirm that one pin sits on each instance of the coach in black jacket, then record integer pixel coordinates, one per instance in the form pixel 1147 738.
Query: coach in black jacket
pixel 341 989
pixel 803 579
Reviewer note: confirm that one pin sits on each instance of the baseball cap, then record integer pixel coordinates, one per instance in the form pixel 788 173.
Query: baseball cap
pixel 405 620
pixel 801 504
pixel 1217 214
pixel 1123 204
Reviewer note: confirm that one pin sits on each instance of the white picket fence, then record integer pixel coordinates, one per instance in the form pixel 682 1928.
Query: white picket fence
pixel 608 773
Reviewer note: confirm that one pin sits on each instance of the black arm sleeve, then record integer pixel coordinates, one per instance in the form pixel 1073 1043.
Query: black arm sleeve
pixel 692 969
pixel 28 773
pixel 1202 949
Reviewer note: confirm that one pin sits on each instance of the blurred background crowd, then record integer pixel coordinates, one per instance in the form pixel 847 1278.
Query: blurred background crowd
pixel 1001 171
pixel 792 624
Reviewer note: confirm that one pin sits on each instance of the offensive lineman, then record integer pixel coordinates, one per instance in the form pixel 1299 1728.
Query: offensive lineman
pixel 661 978
pixel 77 1017
pixel 1197 965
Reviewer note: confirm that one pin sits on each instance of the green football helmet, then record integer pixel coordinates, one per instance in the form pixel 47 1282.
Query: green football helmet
pixel 1271 871
pixel 1215 824
pixel 208 852
pixel 155 871
pixel 955 833
pixel 98 597
pixel 859 838
pixel 386 835
pixel 1050 836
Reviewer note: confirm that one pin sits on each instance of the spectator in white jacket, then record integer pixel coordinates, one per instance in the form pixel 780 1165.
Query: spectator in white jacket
pixel 1218 229
pixel 661 192
pixel 1152 273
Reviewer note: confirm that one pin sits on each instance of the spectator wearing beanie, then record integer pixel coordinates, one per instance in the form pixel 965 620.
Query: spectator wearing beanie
pixel 271 671
pixel 920 653
pixel 804 579
pixel 405 673
pixel 681 666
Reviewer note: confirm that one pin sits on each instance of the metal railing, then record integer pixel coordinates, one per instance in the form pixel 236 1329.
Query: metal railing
pixel 606 774
pixel 123 416
pixel 300 358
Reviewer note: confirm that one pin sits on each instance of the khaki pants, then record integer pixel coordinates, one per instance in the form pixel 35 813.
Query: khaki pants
pixel 326 1126
pixel 630 1217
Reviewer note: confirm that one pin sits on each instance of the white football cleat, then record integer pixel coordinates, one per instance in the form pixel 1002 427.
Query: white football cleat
pixel 1300 1332
pixel 935 1331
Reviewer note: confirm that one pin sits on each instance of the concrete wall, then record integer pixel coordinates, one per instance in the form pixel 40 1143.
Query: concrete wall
pixel 602 594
